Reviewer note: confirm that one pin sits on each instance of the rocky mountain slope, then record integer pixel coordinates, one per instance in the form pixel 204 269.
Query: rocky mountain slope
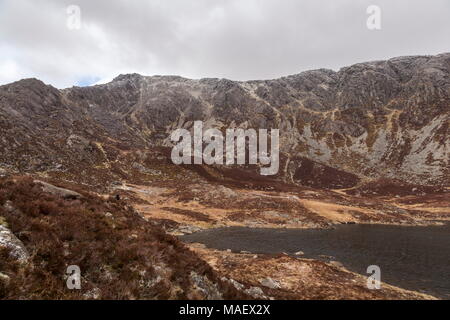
pixel 370 120
pixel 367 144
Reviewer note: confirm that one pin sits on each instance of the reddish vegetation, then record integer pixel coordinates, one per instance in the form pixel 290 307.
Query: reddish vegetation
pixel 391 187
pixel 121 255
pixel 316 175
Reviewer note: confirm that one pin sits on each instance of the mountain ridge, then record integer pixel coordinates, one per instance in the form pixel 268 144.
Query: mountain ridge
pixel 375 119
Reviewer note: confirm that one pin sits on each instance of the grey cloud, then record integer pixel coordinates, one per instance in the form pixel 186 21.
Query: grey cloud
pixel 236 39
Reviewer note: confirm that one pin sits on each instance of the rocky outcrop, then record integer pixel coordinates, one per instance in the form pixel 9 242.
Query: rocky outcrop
pixel 270 283
pixel 9 240
pixel 107 239
pixel 206 287
pixel 60 192
pixel 375 119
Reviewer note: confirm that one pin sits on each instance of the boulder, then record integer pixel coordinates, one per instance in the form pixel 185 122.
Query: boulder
pixel 57 191
pixel 256 292
pixel 10 241
pixel 336 264
pixel 270 283
pixel 205 286
pixel 4 279
pixel 139 167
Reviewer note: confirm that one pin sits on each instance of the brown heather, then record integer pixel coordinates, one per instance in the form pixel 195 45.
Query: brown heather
pixel 120 256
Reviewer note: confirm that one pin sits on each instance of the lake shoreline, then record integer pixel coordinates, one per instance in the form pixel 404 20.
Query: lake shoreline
pixel 405 262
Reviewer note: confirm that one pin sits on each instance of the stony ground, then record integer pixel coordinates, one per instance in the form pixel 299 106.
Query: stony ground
pixel 286 277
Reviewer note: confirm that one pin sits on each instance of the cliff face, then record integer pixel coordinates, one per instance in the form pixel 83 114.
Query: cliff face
pixel 377 119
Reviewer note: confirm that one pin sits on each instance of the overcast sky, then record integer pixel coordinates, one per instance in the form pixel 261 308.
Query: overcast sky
pixel 235 39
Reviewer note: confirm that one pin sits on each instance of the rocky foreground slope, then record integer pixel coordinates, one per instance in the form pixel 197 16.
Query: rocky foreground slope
pixel 121 255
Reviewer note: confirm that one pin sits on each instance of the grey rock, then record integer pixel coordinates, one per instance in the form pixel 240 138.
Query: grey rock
pixel 235 283
pixel 8 206
pixel 143 169
pixel 256 292
pixel 10 241
pixel 60 192
pixel 370 119
pixel 336 264
pixel 209 289
pixel 188 229
pixel 4 278
pixel 77 141
pixel 109 215
pixel 93 294
pixel 270 283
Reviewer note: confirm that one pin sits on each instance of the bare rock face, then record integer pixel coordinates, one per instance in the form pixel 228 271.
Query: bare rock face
pixel 10 241
pixel 60 192
pixel 207 289
pixel 270 283
pixel 376 119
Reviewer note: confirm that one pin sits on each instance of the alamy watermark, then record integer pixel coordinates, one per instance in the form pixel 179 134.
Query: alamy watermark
pixel 374 281
pixel 73 17
pixel 374 20
pixel 209 146
pixel 73 281
pixel 73 12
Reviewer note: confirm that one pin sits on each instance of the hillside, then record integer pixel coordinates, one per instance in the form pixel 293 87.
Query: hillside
pixel 86 178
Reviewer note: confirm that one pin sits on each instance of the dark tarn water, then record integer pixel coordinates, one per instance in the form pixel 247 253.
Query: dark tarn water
pixel 414 258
